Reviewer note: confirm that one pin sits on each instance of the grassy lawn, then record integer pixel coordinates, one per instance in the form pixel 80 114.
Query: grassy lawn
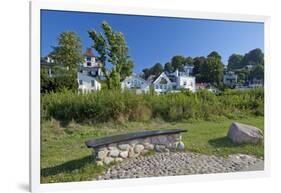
pixel 65 158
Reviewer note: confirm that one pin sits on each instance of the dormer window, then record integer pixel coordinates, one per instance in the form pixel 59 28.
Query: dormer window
pixel 89 59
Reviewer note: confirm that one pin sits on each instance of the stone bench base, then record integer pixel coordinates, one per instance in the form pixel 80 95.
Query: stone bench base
pixel 116 152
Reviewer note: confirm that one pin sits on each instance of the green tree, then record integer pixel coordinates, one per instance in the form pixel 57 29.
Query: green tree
pixel 254 57
pixel 258 72
pixel 235 62
pixel 46 82
pixel 197 63
pixel 178 62
pixel 168 67
pixel 113 49
pixel 157 69
pixel 67 56
pixel 68 53
pixel 189 60
pixel 214 54
pixel 212 70
pixel 146 73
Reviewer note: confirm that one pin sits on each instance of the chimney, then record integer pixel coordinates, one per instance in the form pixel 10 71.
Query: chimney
pixel 177 73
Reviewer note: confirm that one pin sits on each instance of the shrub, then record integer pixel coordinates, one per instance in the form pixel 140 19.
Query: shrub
pixel 112 105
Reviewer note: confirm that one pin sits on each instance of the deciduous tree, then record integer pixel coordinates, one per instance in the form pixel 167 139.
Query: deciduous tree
pixel 113 51
pixel 235 62
pixel 68 53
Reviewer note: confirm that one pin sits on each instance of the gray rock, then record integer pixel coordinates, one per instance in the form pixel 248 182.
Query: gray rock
pixel 102 149
pixel 108 160
pixel 101 154
pixel 124 146
pixel 154 140
pixel 174 138
pixel 138 148
pixel 124 154
pixel 131 152
pixel 163 139
pixel 134 142
pixel 114 153
pixel 148 146
pixel 118 159
pixel 181 146
pixel 160 148
pixel 112 146
pixel 241 133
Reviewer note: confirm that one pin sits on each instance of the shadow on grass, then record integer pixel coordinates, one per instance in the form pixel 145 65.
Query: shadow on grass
pixel 67 166
pixel 222 142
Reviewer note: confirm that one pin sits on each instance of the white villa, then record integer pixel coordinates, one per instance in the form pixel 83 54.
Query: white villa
pixel 230 78
pixel 89 73
pixel 174 82
pixel 136 83
pixel 87 83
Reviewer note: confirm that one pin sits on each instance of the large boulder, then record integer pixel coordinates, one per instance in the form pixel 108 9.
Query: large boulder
pixel 241 133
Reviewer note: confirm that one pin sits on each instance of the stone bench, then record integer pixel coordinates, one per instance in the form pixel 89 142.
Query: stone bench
pixel 118 147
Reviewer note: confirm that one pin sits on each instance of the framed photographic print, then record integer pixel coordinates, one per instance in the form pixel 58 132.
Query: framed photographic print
pixel 130 96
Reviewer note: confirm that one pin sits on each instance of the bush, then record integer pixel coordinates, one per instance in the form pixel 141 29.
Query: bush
pixel 111 105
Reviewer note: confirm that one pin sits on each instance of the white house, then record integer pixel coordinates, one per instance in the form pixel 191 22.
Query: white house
pixel 173 82
pixel 230 78
pixel 87 83
pixel 89 73
pixel 91 65
pixel 136 83
pixel 163 84
pixel 186 82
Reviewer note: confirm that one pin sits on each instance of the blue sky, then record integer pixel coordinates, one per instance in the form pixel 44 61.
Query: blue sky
pixel 156 39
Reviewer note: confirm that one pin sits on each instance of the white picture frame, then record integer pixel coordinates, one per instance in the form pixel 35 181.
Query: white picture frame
pixel 36 6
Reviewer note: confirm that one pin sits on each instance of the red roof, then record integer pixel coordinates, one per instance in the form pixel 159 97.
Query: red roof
pixel 89 52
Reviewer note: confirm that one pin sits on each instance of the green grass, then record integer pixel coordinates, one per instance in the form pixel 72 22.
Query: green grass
pixel 65 158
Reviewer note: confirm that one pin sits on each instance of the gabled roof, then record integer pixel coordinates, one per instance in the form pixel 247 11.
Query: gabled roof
pixel 162 75
pixel 136 77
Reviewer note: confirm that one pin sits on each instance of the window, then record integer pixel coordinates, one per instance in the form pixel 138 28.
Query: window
pixel 88 63
pixel 88 59
pixel 92 83
pixel 80 82
pixel 184 83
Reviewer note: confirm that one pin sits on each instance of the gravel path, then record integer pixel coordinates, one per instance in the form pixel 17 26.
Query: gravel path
pixel 170 164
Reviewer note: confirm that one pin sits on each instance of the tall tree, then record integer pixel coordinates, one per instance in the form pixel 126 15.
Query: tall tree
pixel 214 54
pixel 168 67
pixel 189 61
pixel 212 70
pixel 254 57
pixel 258 72
pixel 197 63
pixel 68 53
pixel 113 49
pixel 157 69
pixel 178 62
pixel 235 62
